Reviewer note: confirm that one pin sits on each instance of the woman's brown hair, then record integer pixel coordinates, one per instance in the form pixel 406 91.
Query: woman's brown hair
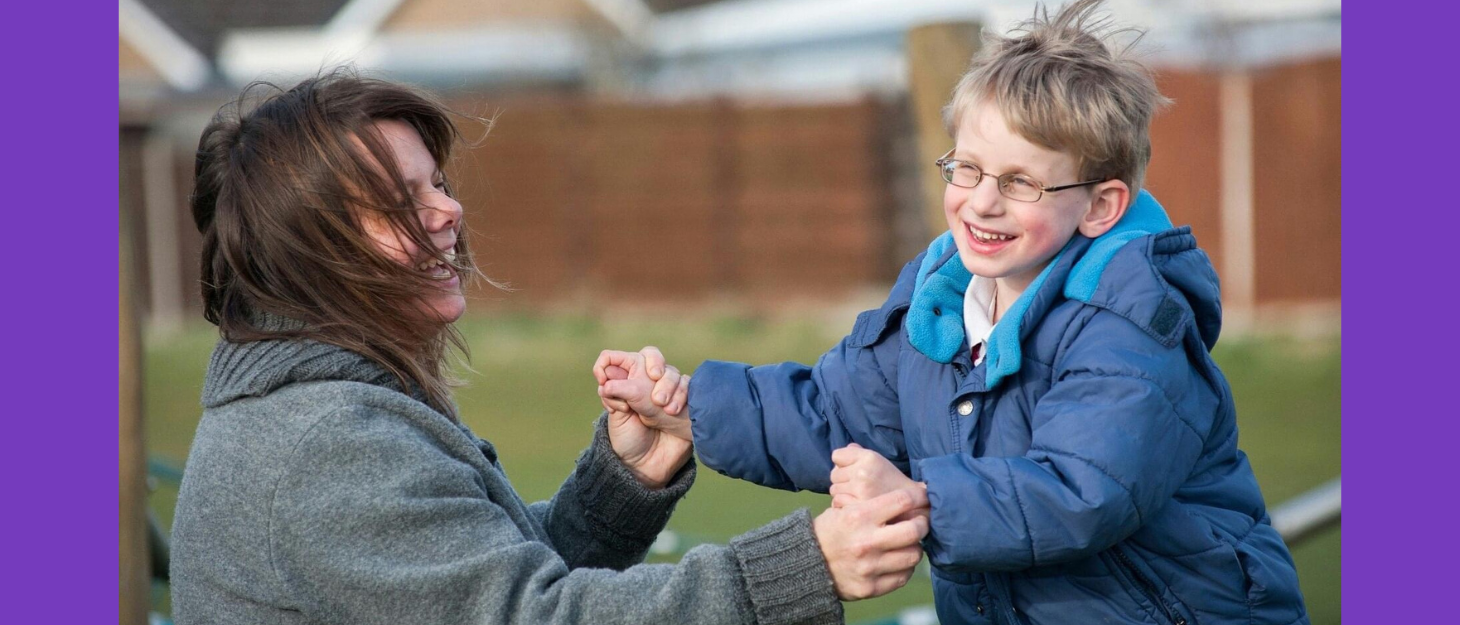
pixel 284 180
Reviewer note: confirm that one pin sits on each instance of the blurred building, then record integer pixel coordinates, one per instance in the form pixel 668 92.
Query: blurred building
pixel 761 150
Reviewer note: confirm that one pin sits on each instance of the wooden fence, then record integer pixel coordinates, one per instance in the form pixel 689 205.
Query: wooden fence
pixel 572 198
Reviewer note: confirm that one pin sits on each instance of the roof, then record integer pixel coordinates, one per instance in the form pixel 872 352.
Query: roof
pixel 201 23
pixel 665 6
pixel 694 48
pixel 150 51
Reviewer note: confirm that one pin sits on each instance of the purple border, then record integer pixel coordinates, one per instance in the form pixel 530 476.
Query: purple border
pixel 1398 438
pixel 60 203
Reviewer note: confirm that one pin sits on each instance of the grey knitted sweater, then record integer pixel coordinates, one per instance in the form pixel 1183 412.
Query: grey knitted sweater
pixel 318 492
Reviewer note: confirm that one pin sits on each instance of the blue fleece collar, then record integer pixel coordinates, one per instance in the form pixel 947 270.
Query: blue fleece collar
pixel 935 316
pixel 1146 216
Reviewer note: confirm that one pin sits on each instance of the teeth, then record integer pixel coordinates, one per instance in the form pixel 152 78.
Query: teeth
pixel 988 236
pixel 431 263
pixel 441 267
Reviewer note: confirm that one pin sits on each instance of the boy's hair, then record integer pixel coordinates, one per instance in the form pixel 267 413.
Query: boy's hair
pixel 1060 86
pixel 281 192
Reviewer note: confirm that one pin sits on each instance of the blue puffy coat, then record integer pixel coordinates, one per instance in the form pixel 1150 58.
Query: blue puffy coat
pixel 1087 471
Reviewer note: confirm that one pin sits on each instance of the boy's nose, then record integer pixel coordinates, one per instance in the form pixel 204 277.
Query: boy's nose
pixel 984 198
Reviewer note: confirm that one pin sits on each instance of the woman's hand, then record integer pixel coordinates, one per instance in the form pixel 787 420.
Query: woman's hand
pixel 635 388
pixel 867 549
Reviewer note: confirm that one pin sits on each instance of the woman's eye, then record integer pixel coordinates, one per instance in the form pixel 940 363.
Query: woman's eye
pixel 440 184
pixel 1021 181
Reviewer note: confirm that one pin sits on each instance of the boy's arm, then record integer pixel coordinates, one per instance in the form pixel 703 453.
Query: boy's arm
pixel 776 425
pixel 1117 434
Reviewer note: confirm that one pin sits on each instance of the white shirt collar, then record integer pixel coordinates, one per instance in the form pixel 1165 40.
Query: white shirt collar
pixel 978 314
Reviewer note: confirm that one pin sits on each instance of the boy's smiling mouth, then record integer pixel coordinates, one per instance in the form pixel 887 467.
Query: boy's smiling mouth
pixel 987 236
pixel 988 241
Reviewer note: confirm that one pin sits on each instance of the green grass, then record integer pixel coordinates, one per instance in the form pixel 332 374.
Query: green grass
pixel 532 393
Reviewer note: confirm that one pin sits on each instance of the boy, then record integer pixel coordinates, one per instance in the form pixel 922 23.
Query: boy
pixel 1042 370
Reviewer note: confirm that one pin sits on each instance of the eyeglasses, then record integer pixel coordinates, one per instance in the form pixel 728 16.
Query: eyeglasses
pixel 1017 187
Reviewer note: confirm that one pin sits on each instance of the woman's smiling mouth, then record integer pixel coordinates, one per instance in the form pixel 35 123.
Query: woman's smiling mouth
pixel 437 268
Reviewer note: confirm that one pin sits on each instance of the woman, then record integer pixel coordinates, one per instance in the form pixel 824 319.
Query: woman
pixel 330 480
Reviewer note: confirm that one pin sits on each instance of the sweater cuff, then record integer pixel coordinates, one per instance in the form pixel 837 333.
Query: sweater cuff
pixel 786 574
pixel 622 510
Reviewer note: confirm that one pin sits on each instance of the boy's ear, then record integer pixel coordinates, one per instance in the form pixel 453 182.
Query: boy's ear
pixel 1108 204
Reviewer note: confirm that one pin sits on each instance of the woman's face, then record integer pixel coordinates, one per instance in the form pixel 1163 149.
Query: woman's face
pixel 440 216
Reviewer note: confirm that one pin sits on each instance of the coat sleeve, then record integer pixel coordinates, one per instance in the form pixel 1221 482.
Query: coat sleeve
pixel 776 425
pixel 1115 436
pixel 601 517
pixel 376 523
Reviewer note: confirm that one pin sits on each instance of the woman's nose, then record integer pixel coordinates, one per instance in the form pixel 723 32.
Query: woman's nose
pixel 441 213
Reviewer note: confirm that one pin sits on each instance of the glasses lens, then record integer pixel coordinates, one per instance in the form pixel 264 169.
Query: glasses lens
pixel 1020 187
pixel 960 174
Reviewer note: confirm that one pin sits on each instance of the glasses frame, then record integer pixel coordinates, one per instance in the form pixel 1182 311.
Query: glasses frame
pixel 947 176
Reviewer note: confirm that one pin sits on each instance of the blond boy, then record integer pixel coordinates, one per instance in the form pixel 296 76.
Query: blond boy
pixel 1043 370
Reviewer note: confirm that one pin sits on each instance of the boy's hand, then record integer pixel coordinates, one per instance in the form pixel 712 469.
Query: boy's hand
pixel 862 474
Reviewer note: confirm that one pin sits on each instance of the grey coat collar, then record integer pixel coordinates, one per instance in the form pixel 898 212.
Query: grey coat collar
pixel 257 368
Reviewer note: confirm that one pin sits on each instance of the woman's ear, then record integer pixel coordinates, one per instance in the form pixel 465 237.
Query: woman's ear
pixel 1108 204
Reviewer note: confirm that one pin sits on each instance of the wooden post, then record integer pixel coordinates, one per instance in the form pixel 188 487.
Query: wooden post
pixel 164 250
pixel 1239 229
pixel 937 56
pixel 136 578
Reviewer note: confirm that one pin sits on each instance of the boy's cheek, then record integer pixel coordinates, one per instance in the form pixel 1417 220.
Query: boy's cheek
pixel 953 200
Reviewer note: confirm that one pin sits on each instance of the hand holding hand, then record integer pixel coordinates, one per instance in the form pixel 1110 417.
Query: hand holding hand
pixel 641 383
pixel 868 551
pixel 653 454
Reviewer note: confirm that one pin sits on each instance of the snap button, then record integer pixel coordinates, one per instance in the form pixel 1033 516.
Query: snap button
pixel 965 407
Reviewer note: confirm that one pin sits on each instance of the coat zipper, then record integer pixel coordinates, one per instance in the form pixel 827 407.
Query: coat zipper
pixel 998 587
pixel 1149 588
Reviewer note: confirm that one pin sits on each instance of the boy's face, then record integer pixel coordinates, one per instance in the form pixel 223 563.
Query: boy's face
pixel 1009 240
